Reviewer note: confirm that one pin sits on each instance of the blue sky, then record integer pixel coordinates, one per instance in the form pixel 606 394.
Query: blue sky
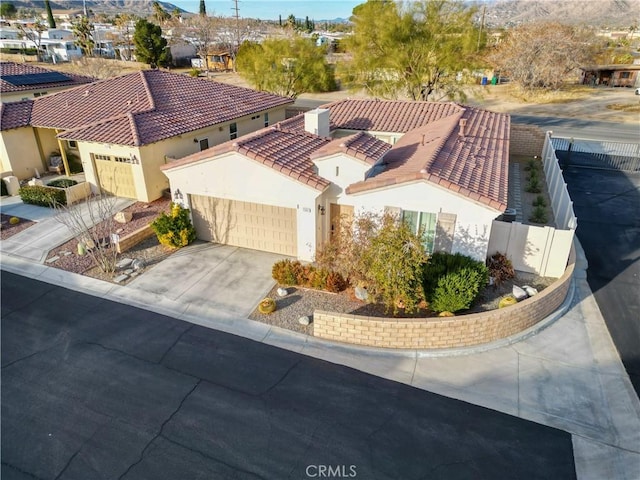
pixel 270 9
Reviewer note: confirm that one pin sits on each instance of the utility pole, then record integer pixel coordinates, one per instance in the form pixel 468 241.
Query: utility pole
pixel 237 15
pixel 484 9
pixel 84 7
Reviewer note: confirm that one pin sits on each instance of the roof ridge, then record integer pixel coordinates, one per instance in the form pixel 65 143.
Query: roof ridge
pixel 134 129
pixel 445 138
pixel 147 88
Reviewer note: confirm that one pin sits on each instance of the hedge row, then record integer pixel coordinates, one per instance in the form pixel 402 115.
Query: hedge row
pixel 43 196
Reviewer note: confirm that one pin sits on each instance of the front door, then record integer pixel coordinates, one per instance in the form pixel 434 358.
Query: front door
pixel 339 215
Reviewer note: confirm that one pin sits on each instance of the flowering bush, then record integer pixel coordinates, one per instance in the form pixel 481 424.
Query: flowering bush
pixel 174 229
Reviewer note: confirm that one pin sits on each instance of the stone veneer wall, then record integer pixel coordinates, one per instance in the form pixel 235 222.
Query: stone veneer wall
pixel 451 332
pixel 526 140
pixel 131 240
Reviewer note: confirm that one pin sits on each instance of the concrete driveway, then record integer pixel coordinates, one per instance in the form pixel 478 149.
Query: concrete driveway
pixel 212 279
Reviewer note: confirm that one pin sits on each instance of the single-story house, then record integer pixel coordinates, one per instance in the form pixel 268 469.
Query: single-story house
pixel 611 75
pixel 123 129
pixel 443 167
pixel 19 81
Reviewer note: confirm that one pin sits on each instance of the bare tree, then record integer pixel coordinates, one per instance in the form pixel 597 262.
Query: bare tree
pixel 93 225
pixel 125 23
pixel 202 31
pixel 541 55
pixel 97 67
pixel 34 34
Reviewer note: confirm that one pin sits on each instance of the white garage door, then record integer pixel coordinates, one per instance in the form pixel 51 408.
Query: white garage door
pixel 245 224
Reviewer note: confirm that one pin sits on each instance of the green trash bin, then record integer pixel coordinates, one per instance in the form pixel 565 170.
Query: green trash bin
pixel 494 80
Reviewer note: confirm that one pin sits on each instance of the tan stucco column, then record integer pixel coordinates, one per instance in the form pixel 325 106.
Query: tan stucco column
pixel 63 152
pixel 40 151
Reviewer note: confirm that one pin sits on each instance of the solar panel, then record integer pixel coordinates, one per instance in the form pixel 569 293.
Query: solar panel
pixel 35 78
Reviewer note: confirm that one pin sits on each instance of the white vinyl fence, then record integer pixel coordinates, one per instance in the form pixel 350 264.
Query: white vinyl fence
pixel 534 249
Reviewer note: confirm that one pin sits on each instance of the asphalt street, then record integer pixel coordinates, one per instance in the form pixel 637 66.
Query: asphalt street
pixel 93 389
pixel 606 204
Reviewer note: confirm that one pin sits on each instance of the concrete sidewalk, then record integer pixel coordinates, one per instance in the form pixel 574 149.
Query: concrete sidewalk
pixel 568 376
pixel 34 243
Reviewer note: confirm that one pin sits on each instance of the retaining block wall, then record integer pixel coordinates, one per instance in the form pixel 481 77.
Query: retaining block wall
pixel 452 332
pixel 131 240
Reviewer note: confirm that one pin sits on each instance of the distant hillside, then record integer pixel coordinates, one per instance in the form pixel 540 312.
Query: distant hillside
pixel 111 7
pixel 599 13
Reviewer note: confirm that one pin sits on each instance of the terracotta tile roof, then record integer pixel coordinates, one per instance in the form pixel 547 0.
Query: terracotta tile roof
pixel 474 165
pixel 15 114
pixel 155 104
pixel 380 115
pixel 284 151
pixel 360 145
pixel 12 68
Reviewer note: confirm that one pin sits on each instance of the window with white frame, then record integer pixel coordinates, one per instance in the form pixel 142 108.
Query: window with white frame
pixel 424 224
pixel 72 144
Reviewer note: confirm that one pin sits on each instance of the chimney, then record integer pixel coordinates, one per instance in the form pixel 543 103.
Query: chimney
pixel 463 123
pixel 317 122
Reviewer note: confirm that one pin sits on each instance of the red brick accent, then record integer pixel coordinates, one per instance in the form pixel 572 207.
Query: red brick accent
pixel 452 332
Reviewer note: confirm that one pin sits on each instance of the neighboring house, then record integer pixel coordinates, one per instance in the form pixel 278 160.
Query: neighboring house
pixel 124 128
pixel 440 166
pixel 611 75
pixel 19 81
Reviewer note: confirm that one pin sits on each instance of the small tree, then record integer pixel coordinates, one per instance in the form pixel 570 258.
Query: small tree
pixel 151 46
pixel 203 9
pixel 123 22
pixel 8 10
pixel 395 260
pixel 92 224
pixel 34 34
pixel 50 19
pixel 83 31
pixel 286 67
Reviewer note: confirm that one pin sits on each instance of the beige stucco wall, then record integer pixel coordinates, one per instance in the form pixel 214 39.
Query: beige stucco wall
pixel 48 141
pixel 26 95
pixel 19 153
pixel 235 177
pixel 473 220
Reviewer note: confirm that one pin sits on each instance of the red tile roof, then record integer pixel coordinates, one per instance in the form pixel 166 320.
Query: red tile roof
pixel 380 115
pixel 12 68
pixel 474 165
pixel 146 107
pixel 360 145
pixel 15 114
pixel 284 151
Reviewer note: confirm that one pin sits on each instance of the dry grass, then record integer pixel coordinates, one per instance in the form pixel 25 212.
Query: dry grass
pixel 568 93
pixel 625 107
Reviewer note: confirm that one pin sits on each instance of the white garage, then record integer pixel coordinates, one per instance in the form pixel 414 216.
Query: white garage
pixel 245 224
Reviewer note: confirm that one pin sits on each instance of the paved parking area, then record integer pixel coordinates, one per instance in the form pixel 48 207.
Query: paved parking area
pixel 212 279
pixel 606 204
pixel 93 389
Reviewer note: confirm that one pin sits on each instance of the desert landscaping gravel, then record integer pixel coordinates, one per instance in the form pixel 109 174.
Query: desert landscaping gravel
pixel 7 230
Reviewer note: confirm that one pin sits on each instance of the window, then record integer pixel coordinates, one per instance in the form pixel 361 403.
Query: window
pixel 73 144
pixel 337 171
pixel 38 94
pixel 625 75
pixel 266 119
pixel 98 156
pixel 122 159
pixel 422 223
pixel 233 131
pixel 204 144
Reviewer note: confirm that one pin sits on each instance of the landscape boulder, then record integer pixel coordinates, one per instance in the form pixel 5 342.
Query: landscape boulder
pixel 123 217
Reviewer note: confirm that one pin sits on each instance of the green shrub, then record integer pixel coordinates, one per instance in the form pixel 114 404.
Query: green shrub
pixel 319 279
pixel 3 188
pixel 532 165
pixel 533 186
pixel 194 72
pixel 539 215
pixel 43 196
pixel 441 263
pixel 457 290
pixel 500 268
pixel 174 229
pixel 62 183
pixel 533 176
pixel 539 201
pixel 14 220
